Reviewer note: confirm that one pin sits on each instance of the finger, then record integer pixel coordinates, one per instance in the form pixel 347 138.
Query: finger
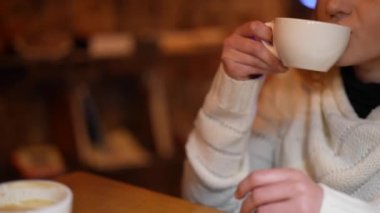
pixel 265 177
pixel 248 205
pixel 255 29
pixel 273 193
pixel 255 49
pixel 245 45
pixel 284 206
pixel 243 58
pixel 278 207
pixel 241 71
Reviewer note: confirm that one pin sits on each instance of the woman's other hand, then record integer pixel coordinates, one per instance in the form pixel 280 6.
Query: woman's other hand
pixel 244 55
pixel 279 191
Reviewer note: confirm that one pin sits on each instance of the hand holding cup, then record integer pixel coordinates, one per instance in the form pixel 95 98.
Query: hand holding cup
pixel 258 48
pixel 244 54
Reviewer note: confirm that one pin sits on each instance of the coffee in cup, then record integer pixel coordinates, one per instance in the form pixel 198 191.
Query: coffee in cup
pixel 308 44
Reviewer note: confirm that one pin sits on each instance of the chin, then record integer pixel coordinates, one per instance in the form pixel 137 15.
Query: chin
pixel 339 64
pixel 343 62
pixel 347 59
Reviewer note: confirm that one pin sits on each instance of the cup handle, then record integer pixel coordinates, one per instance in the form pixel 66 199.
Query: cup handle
pixel 269 46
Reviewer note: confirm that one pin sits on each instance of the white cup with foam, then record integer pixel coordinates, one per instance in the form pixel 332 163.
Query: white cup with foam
pixel 35 196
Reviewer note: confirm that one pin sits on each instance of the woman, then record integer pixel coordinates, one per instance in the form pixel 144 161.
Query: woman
pixel 272 139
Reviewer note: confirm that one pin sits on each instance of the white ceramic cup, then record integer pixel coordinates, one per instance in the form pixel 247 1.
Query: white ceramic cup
pixel 308 44
pixel 35 196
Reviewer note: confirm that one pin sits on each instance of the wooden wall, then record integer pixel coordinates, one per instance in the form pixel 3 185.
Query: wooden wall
pixel 85 17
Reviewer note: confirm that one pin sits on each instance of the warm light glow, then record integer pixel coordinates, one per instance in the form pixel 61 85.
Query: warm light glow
pixel 309 3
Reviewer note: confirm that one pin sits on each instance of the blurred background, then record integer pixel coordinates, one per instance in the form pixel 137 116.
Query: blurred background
pixel 111 86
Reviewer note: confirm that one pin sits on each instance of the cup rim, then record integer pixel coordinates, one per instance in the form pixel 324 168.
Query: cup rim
pixel 313 21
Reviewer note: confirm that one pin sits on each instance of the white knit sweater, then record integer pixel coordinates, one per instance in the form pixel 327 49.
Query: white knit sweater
pixel 301 120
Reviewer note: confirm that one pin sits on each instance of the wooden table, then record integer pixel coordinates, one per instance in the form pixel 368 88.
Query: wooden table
pixel 93 194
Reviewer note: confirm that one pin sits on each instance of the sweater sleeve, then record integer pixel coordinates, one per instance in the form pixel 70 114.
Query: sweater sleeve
pixel 217 158
pixel 338 202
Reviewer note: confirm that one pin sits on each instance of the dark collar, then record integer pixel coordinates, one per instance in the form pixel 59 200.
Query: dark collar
pixel 363 96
